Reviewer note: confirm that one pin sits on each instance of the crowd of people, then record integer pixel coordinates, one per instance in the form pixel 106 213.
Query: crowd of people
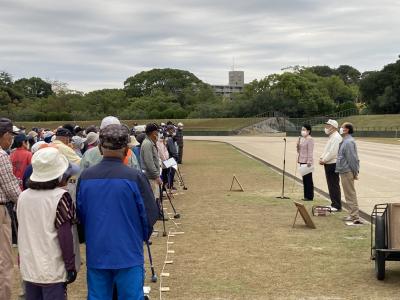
pixel 63 187
pixel 341 164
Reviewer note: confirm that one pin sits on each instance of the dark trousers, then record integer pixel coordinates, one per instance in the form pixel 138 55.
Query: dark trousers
pixel 14 222
pixel 164 176
pixel 308 187
pixel 168 177
pixel 171 177
pixel 56 291
pixel 333 181
pixel 180 154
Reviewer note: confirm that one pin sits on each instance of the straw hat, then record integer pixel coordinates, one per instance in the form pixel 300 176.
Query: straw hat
pixel 48 164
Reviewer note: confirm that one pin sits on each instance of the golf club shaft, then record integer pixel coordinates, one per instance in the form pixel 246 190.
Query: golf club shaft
pixel 150 259
pixel 162 211
pixel 169 199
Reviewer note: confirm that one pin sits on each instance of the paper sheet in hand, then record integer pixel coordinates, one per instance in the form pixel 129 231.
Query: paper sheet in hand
pixel 169 163
pixel 304 170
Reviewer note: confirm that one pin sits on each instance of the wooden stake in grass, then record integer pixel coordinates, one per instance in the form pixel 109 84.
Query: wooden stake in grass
pixel 237 181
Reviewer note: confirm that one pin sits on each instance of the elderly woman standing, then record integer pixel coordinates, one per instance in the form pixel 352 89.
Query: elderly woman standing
pixel 305 149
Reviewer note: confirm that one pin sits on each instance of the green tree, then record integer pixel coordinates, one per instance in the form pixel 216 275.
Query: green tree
pixel 381 89
pixel 5 79
pixel 33 87
pixel 348 74
pixel 170 81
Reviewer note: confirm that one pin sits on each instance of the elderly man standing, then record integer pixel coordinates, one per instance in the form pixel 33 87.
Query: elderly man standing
pixel 118 210
pixel 62 141
pixel 9 193
pixel 150 159
pixel 348 166
pixel 179 142
pixel 328 160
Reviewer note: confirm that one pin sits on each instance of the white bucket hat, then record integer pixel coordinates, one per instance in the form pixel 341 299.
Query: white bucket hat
pixel 48 164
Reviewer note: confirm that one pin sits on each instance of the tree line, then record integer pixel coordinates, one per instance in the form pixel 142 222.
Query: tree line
pixel 178 94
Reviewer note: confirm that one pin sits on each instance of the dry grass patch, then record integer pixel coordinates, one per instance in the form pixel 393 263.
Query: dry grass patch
pixel 240 245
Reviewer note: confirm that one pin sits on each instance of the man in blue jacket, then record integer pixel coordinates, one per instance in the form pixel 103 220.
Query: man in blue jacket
pixel 116 206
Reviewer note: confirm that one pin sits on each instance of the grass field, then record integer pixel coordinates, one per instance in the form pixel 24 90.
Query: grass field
pixel 241 245
pixel 374 121
pixel 391 141
pixel 220 124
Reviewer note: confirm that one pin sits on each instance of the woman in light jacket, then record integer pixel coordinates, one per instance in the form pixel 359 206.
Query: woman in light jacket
pixel 305 149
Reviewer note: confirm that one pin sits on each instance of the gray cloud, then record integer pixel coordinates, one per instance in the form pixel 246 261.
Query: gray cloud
pixel 96 44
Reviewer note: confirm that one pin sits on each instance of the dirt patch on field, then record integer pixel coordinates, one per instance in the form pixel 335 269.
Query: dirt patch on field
pixel 241 245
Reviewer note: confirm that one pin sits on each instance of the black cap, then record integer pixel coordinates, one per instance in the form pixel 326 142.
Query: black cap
pixel 140 138
pixel 114 137
pixel 20 138
pixel 64 132
pixel 6 126
pixel 151 127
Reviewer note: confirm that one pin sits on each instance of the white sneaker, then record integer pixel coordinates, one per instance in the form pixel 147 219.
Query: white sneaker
pixel 334 209
pixel 348 218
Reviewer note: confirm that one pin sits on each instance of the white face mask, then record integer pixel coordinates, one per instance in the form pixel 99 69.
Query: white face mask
pixel 341 130
pixel 304 133
pixel 327 131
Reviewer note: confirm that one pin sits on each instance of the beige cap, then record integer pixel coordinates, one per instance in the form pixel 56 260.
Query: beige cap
pixel 333 123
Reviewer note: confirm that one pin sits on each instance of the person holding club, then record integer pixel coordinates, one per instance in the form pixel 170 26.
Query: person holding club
pixel 305 149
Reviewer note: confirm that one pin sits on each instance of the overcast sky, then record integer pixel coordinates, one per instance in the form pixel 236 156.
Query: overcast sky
pixel 98 44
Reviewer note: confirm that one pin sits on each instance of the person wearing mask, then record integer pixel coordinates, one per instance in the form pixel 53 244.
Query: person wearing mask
pixel 305 150
pixel 164 155
pixel 173 152
pixel 123 198
pixel 46 213
pixel 179 142
pixel 328 160
pixel 9 193
pixel 150 159
pixel 348 167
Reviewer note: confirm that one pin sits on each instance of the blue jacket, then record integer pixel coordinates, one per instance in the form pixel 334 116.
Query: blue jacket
pixel 116 206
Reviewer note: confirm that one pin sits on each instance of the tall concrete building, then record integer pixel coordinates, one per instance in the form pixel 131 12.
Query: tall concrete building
pixel 236 84
pixel 236 78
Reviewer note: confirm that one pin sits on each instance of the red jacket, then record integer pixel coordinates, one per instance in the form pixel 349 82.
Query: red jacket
pixel 20 159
